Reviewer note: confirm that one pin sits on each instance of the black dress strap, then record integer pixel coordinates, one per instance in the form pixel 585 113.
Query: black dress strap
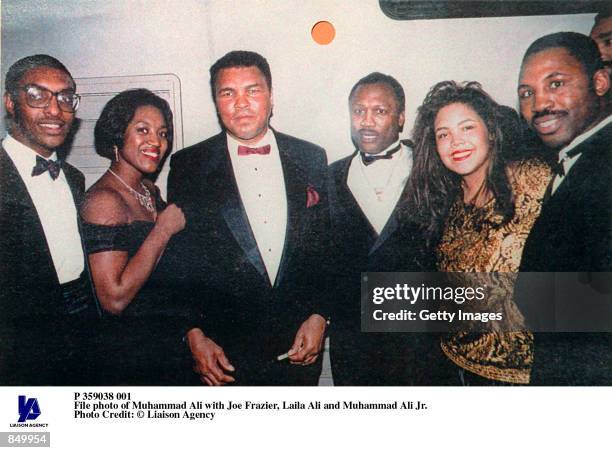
pixel 104 238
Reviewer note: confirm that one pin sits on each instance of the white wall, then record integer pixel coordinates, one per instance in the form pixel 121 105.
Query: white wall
pixel 311 82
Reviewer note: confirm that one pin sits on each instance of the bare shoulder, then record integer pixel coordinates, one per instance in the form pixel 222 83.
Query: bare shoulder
pixel 104 206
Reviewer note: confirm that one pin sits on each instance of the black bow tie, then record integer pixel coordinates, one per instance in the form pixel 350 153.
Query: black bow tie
pixel 559 169
pixel 368 159
pixel 43 165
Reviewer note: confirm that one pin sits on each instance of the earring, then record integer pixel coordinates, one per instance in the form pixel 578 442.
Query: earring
pixel 116 153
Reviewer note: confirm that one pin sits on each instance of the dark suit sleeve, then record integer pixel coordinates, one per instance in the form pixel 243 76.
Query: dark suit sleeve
pixel 76 181
pixel 596 215
pixel 176 175
pixel 185 289
pixel 319 278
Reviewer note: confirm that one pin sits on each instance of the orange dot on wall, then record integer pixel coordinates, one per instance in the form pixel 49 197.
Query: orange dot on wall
pixel 323 32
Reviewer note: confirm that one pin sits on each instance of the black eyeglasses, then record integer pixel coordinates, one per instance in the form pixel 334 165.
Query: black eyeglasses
pixel 39 97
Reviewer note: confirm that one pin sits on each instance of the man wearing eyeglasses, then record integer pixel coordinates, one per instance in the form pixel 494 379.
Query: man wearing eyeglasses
pixel 46 299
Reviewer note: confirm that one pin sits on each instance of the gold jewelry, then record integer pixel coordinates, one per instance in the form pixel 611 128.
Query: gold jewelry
pixel 145 200
pixel 379 191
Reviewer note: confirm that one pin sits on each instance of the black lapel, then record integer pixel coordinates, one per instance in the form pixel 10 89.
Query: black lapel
pixel 347 201
pixel 15 193
pixel 295 188
pixel 75 182
pixel 393 222
pixel 598 143
pixel 222 180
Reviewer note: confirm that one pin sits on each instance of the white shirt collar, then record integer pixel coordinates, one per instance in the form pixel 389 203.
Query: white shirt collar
pixel 54 205
pixel 22 156
pixel 584 136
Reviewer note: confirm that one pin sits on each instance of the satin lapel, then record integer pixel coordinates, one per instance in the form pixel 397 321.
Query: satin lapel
pixel 232 209
pixel 295 188
pixel 347 208
pixel 391 225
pixel 598 143
pixel 74 184
pixel 347 200
pixel 14 192
pixel 393 222
pixel 77 188
pixel 9 177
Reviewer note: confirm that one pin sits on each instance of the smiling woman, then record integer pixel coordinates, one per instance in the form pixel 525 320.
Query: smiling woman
pixel 462 141
pixel 477 209
pixel 127 228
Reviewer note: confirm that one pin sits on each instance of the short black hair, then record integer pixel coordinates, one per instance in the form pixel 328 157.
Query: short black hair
pixel 383 79
pixel 117 114
pixel 579 46
pixel 602 13
pixel 19 69
pixel 240 59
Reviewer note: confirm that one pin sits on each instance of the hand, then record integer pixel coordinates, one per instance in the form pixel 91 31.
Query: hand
pixel 209 359
pixel 171 220
pixel 308 341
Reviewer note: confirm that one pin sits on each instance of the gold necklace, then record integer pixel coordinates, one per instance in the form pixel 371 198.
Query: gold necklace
pixel 379 191
pixel 145 200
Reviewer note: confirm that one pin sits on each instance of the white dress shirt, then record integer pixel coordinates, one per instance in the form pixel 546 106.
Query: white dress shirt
pixel 56 210
pixel 261 185
pixel 377 187
pixel 568 162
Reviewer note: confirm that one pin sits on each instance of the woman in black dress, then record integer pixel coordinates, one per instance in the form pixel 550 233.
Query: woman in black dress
pixel 127 227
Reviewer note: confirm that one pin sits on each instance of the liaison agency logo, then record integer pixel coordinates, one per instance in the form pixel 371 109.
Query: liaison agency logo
pixel 28 409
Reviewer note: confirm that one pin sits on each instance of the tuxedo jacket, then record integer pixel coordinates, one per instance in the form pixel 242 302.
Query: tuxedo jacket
pixel 359 248
pixel 226 284
pixel 370 358
pixel 38 338
pixel 573 231
pixel 572 234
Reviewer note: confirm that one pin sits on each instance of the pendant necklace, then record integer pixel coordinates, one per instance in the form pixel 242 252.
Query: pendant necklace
pixel 145 200
pixel 379 191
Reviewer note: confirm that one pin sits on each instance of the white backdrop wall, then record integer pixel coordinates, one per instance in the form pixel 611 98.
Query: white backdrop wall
pixel 311 82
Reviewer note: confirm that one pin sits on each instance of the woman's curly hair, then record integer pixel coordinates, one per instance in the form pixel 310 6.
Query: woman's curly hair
pixel 432 187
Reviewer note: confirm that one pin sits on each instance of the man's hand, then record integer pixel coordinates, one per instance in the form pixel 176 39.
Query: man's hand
pixel 308 341
pixel 209 359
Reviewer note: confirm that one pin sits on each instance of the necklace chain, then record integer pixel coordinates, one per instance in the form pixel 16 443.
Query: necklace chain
pixel 379 191
pixel 145 200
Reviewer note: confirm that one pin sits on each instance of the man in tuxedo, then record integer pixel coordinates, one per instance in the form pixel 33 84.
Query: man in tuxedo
pixel 563 89
pixel 257 223
pixel 46 299
pixel 366 193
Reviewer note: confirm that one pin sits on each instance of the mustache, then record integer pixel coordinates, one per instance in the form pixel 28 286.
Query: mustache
pixel 547 112
pixel 18 117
